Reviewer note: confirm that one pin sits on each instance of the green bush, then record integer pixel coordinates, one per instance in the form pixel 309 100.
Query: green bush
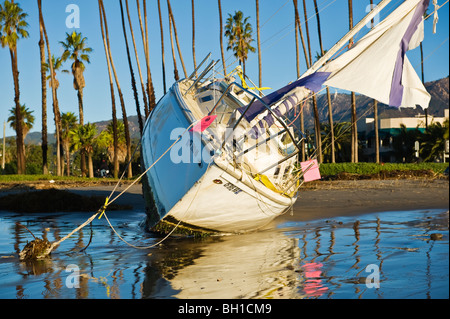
pixel 329 169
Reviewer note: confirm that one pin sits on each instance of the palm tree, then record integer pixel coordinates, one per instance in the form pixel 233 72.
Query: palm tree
pixel 56 112
pixel 44 132
pixel 12 27
pixel 239 33
pixel 144 94
pixel 221 38
pixel 353 99
pixel 144 34
pixel 375 108
pixel 299 26
pixel 330 109
pixel 342 141
pixel 175 69
pixel 432 141
pixel 193 35
pixel 113 101
pixel 105 141
pixel 75 48
pixel 56 65
pixel 26 117
pixel 425 14
pixel 162 47
pixel 258 39
pixel 176 38
pixel 133 80
pixel 83 138
pixel 68 122
pixel 318 135
pixel 298 29
pixel 122 102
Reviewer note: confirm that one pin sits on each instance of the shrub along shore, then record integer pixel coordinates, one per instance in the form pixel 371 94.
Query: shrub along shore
pixel 328 171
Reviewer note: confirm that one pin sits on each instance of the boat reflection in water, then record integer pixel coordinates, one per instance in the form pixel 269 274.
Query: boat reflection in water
pixel 386 255
pixel 257 265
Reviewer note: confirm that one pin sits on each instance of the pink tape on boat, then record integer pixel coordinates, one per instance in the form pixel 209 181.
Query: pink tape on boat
pixel 203 124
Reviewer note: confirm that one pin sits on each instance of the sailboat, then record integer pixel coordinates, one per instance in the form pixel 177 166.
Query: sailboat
pixel 220 158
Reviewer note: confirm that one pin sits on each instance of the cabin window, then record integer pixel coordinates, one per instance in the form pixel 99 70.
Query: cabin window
pixel 206 98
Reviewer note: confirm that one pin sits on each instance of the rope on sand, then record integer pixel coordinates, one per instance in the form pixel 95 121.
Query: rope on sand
pixel 39 248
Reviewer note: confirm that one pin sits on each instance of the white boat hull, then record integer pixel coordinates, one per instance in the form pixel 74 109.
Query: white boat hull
pixel 213 195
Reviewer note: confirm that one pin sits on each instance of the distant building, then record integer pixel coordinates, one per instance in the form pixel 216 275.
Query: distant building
pixel 388 129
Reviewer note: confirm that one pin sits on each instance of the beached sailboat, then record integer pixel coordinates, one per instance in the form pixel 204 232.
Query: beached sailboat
pixel 228 160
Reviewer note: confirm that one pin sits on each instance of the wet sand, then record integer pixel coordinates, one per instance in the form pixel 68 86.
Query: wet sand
pixel 323 199
pixel 327 199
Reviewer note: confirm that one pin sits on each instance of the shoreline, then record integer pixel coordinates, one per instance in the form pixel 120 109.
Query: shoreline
pixel 316 200
pixel 351 198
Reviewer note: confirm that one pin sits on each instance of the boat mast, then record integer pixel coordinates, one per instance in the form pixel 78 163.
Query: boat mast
pixel 343 41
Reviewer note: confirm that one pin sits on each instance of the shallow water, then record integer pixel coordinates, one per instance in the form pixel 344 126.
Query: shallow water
pixel 384 255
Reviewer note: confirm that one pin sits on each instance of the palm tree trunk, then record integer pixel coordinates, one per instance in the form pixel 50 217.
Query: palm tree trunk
pixel 297 55
pixel 144 33
pixel 54 96
pixel 423 81
pixel 122 102
pixel 316 111
pixel 307 33
pixel 67 155
pixel 113 102
pixel 144 94
pixel 20 144
pixel 259 45
pixel 133 80
pixel 376 128
pixel 375 112
pixel 353 99
pixel 44 133
pixel 297 51
pixel 150 87
pixel 175 70
pixel 330 109
pixel 221 38
pixel 299 25
pixel 176 38
pixel 80 110
pixel 91 166
pixel 193 37
pixel 162 48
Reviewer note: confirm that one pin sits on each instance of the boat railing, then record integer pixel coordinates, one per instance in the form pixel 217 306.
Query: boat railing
pixel 285 181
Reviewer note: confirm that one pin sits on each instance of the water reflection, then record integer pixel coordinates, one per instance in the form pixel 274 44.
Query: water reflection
pixel 290 259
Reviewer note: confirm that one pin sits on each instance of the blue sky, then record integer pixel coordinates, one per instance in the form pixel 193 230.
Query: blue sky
pixel 277 44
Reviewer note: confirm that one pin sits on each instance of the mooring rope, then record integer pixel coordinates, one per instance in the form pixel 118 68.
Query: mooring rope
pixel 167 236
pixel 102 210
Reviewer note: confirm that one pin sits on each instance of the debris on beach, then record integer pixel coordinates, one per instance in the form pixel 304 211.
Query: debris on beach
pixel 35 249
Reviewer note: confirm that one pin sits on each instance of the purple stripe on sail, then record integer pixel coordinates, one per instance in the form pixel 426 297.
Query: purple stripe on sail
pixel 396 94
pixel 313 82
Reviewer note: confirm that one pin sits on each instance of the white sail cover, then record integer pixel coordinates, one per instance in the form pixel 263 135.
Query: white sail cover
pixel 377 66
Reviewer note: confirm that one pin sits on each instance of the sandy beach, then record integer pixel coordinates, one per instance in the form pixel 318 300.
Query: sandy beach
pixel 322 199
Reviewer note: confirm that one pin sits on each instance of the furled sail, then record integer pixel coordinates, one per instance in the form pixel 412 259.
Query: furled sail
pixel 377 66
